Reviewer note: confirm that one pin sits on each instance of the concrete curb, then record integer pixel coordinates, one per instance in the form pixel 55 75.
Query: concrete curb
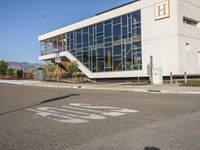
pixel 171 91
pixel 146 90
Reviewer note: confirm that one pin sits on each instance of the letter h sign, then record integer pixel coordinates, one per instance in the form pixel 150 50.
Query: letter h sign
pixel 162 10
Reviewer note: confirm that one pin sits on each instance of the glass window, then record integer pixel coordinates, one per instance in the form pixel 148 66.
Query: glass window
pixel 190 21
pixel 129 66
pixel 124 32
pixel 117 65
pixel 55 44
pixel 78 31
pixel 60 43
pixel 116 32
pixel 85 30
pixel 128 53
pixel 100 59
pixel 78 38
pixel 108 22
pixel 94 55
pixel 85 40
pixel 85 49
pixel 136 17
pixel 100 66
pixel 99 34
pixel 108 44
pixel 85 57
pixel 99 27
pixel 100 52
pixel 100 40
pixel 136 32
pixel 136 45
pixel 42 48
pixel 108 30
pixel 72 46
pixel 117 20
pixel 72 36
pixel 78 46
pixel 108 57
pixel 108 40
pixel 135 59
pixel 129 25
pixel 124 58
pixel 64 42
pixel 124 20
pixel 91 40
pixel 91 30
pixel 117 50
pixel 117 57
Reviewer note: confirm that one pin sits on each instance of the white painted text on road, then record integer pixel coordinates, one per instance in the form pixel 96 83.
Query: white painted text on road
pixel 80 112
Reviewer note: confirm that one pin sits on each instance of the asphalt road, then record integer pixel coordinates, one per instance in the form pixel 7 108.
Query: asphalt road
pixel 38 118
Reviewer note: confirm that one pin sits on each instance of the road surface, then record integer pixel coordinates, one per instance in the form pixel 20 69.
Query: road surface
pixel 38 118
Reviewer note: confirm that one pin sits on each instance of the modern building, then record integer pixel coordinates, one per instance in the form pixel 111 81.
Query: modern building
pixel 128 40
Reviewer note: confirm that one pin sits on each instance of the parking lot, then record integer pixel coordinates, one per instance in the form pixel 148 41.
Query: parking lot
pixel 52 118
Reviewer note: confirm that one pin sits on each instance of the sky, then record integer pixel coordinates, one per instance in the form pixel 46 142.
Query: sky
pixel 22 21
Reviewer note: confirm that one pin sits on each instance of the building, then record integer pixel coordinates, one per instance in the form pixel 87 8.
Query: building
pixel 124 41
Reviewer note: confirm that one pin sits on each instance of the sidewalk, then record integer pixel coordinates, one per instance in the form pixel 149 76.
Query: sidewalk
pixel 125 86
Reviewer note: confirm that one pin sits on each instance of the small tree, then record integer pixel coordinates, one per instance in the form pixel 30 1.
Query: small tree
pixel 72 68
pixel 15 73
pixel 48 70
pixel 3 67
pixel 10 72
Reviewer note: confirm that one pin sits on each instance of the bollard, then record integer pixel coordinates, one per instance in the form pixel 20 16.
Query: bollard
pixel 185 77
pixel 138 79
pixel 171 78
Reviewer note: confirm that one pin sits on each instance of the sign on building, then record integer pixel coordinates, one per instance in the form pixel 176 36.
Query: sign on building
pixel 162 10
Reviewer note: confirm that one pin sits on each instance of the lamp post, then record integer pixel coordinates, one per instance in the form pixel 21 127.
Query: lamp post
pixel 57 60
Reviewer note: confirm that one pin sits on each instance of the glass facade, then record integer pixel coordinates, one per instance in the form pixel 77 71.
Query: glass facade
pixel 112 45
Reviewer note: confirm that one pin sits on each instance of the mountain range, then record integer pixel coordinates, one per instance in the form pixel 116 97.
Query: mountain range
pixel 24 65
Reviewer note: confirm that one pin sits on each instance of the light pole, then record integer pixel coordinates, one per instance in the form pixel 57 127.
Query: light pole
pixel 57 60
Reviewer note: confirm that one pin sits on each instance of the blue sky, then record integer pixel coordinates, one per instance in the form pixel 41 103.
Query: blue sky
pixel 22 21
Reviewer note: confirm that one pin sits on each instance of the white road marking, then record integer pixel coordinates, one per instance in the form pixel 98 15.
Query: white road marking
pixel 79 112
pixel 65 110
pixel 54 116
pixel 86 115
pixel 113 114
pixel 103 107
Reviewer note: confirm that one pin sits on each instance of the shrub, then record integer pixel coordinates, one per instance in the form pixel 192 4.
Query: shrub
pixel 72 68
pixel 10 72
pixel 194 83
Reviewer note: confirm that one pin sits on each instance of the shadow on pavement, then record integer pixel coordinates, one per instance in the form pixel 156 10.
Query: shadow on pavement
pixel 151 148
pixel 42 102
pixel 58 98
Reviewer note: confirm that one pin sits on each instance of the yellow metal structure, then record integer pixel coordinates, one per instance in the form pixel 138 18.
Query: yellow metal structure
pixel 57 72
pixel 54 71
